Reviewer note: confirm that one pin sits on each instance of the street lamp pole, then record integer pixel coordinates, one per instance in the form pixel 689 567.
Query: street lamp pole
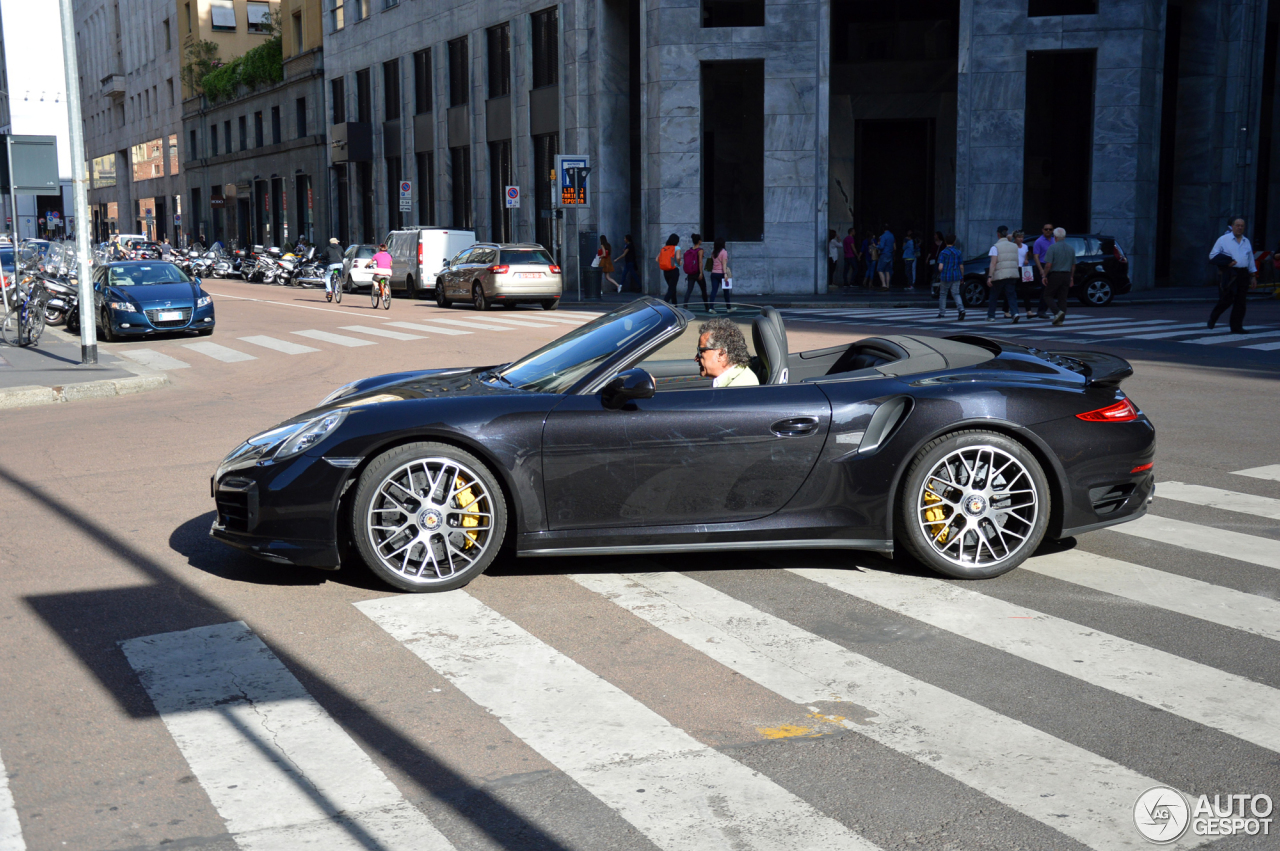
pixel 80 187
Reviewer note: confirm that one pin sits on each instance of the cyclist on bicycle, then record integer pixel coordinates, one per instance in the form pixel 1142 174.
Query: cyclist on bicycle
pixel 382 262
pixel 333 253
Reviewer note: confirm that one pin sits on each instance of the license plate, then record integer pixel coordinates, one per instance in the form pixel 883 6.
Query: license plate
pixel 528 274
pixel 169 316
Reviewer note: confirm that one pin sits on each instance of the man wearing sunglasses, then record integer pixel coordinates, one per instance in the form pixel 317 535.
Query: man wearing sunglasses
pixel 722 355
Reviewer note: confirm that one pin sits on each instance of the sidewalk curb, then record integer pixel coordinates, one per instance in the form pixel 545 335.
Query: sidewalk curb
pixel 35 394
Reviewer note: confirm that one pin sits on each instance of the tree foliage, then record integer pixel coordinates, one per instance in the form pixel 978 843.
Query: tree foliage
pixel 263 65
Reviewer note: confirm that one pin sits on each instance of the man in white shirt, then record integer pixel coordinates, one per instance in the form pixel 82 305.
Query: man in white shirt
pixel 1238 277
pixel 722 355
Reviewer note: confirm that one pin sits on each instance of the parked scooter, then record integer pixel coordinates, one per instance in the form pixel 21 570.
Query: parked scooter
pixel 311 271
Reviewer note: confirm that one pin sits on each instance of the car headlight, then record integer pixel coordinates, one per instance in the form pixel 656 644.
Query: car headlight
pixel 338 394
pixel 123 305
pixel 281 442
pixel 204 301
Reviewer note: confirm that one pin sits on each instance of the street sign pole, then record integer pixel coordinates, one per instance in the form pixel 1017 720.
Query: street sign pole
pixel 80 187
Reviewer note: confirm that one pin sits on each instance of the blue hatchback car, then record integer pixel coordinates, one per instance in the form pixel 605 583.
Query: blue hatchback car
pixel 142 297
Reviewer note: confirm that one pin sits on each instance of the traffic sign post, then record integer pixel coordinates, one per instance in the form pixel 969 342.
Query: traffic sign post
pixel 406 196
pixel 513 197
pixel 573 188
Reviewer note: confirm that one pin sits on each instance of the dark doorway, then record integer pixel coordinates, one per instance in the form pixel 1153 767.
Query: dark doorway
pixel 545 148
pixel 242 221
pixel 461 162
pixel 1058 154
pixel 393 193
pixel 277 235
pixel 260 213
pixel 1168 140
pixel 500 178
pixel 894 176
pixel 364 185
pixel 733 151
pixel 343 185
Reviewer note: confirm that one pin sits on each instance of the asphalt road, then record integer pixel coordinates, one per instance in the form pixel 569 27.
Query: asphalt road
pixel 158 690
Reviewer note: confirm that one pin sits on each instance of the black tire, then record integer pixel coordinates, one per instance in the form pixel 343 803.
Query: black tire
pixel 973 292
pixel 478 298
pixel 337 291
pixel 1096 291
pixel 442 300
pixel 108 335
pixel 411 465
pixel 54 318
pixel 550 303
pixel 73 321
pixel 1009 530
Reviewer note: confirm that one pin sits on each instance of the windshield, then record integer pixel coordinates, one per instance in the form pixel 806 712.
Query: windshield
pixel 526 257
pixel 560 364
pixel 365 252
pixel 143 274
pixel 6 259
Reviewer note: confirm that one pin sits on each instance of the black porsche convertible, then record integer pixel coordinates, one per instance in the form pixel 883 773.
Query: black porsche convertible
pixel 966 451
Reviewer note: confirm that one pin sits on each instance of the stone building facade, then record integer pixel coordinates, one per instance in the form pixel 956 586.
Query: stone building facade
pixel 769 122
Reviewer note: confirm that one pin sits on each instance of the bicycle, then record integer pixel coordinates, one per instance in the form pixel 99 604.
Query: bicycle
pixel 333 292
pixel 381 291
pixel 24 322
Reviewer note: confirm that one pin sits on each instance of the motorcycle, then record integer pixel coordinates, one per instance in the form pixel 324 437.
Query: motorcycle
pixel 311 271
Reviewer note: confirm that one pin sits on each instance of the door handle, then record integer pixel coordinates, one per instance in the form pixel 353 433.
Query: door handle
pixel 795 426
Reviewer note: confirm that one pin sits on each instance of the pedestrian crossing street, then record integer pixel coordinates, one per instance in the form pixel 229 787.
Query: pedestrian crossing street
pixel 1080 326
pixel 283 773
pixel 307 341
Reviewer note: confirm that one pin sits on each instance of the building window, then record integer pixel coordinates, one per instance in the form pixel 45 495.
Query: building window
pixel 499 60
pixel 458 77
pixel 188 8
pixel 191 145
pixel 391 92
pixel 338 90
pixel 169 82
pixel 222 15
pixel 545 148
pixel 546 48
pixel 733 13
pixel 1057 157
pixel 213 140
pixel 276 131
pixel 168 36
pixel 173 153
pixel 364 96
pixel 426 188
pixel 1046 8
pixel 387 4
pixel 300 109
pixel 460 159
pixel 393 193
pixel 297 32
pixel 244 132
pixel 259 17
pixel 361 9
pixel 226 134
pixel 336 16
pixel 733 151
pixel 422 82
pixel 257 129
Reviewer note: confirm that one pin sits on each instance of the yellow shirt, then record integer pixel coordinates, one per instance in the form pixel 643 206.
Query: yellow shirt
pixel 736 376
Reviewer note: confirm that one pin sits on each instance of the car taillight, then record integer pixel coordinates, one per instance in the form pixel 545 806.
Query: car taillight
pixel 419 254
pixel 1120 412
pixel 499 270
pixel 1141 468
pixel 555 270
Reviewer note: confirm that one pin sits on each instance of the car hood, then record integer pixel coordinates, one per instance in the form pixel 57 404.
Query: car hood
pixel 177 294
pixel 425 384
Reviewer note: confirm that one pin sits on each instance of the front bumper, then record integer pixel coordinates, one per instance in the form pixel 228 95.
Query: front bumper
pixel 125 323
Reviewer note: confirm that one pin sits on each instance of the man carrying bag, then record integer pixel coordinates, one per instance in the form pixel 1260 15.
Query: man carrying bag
pixel 1233 254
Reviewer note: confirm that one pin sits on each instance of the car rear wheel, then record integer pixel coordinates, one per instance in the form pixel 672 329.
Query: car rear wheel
pixel 442 300
pixel 477 297
pixel 1097 292
pixel 973 292
pixel 428 517
pixel 550 303
pixel 973 505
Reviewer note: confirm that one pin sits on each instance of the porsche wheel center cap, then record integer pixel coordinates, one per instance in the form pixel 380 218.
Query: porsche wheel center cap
pixel 974 505
pixel 430 520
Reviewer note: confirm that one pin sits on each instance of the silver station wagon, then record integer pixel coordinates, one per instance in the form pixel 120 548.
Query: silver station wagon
pixel 490 273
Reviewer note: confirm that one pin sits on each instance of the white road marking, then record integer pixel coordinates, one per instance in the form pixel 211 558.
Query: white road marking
pixel 1188 330
pixel 1205 539
pixel 217 352
pixel 279 770
pixel 681 794
pixel 1232 338
pixel 281 303
pixel 463 323
pixel 336 339
pixel 562 318
pixel 1271 472
pixel 519 323
pixel 1264 347
pixel 10 828
pixel 383 332
pixel 278 345
pixel 1232 704
pixel 1169 591
pixel 430 329
pixel 1083 795
pixel 1121 329
pixel 153 359
pixel 1246 503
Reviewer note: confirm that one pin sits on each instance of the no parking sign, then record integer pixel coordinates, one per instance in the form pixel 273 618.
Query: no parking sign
pixel 513 196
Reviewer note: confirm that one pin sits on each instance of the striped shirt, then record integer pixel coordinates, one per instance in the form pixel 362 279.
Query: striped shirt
pixel 951 264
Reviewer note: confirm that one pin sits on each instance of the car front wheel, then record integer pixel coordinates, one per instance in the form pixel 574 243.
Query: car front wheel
pixel 428 517
pixel 442 300
pixel 973 505
pixel 1097 292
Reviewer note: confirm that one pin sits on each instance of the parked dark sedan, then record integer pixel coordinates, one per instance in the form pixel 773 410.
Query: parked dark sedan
pixel 141 297
pixel 967 451
pixel 1102 273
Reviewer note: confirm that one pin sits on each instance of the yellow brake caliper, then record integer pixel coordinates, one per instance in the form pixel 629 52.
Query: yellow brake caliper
pixel 467 502
pixel 936 517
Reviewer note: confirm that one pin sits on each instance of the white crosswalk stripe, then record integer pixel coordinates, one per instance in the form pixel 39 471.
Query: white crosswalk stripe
pixel 218 353
pixel 383 332
pixel 1217 498
pixel 1264 347
pixel 277 767
pixel 464 323
pixel 1188 330
pixel 10 828
pixel 1059 784
pixel 430 329
pixel 1271 471
pixel 336 339
pixel 153 359
pixel 278 345
pixel 1162 590
pixel 656 776
pixel 1233 338
pixel 562 318
pixel 1199 693
pixel 1264 552
pixel 518 323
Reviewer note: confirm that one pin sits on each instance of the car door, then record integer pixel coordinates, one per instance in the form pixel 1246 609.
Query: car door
pixel 715 455
pixel 459 283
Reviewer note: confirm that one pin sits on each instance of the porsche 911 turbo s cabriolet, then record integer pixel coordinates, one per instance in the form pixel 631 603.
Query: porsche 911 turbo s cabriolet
pixel 966 451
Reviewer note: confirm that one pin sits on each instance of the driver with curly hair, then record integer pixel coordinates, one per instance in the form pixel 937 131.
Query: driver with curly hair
pixel 722 355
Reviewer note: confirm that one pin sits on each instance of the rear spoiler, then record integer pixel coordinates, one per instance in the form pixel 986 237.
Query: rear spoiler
pixel 1101 370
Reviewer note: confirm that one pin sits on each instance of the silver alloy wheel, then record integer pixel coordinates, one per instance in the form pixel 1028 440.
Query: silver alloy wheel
pixel 977 506
pixel 1098 292
pixel 430 519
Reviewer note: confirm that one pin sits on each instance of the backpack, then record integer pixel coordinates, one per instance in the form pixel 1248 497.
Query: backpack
pixel 691 261
pixel 667 258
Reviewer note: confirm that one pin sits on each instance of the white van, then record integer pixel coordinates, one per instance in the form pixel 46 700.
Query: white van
pixel 418 255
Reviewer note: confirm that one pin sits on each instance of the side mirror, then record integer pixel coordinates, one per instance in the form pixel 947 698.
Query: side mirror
pixel 445 261
pixel 626 387
pixel 199 283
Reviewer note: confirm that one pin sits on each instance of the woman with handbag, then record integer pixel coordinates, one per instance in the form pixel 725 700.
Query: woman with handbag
pixel 668 260
pixel 604 262
pixel 693 272
pixel 719 263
